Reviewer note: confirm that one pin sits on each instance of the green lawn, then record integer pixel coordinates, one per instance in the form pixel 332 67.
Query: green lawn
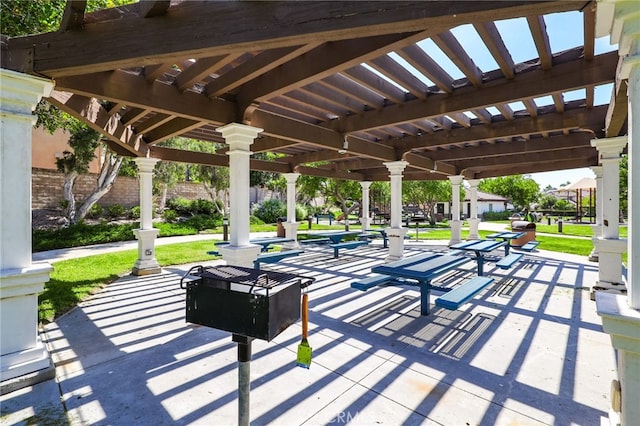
pixel 75 279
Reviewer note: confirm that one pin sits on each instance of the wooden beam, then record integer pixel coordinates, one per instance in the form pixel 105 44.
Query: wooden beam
pixel 174 127
pixel 579 118
pixel 240 26
pixel 334 174
pixel 546 166
pixel 454 50
pixel 95 116
pixel 541 39
pixel 617 114
pixel 317 64
pixel 258 65
pixel 132 90
pixel 199 70
pixel 563 77
pixel 73 16
pixel 151 8
pixel 418 58
pixel 479 153
pixel 491 37
pixel 521 158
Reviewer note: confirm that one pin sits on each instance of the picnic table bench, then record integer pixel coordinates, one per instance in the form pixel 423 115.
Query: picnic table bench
pixel 348 245
pixel 530 246
pixel 508 261
pixel 419 270
pixel 274 257
pixel 463 293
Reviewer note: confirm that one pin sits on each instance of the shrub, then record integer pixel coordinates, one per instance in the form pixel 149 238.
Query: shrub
pixel 270 210
pixel 180 206
pixel 253 220
pixel 169 216
pixel 202 222
pixel 134 212
pixel 201 206
pixel 116 210
pixel 95 211
pixel 301 213
pixel 504 215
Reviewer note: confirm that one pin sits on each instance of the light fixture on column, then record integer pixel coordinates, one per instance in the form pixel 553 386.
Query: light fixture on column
pixel 345 146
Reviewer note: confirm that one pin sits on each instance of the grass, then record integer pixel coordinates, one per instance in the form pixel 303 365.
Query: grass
pixel 74 280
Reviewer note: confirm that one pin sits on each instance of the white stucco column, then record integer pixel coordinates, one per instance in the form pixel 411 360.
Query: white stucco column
pixel 621 313
pixel 610 247
pixel 597 227
pixel 473 201
pixel 24 359
pixel 456 225
pixel 147 263
pixel 291 226
pixel 365 217
pixel 239 137
pixel 396 232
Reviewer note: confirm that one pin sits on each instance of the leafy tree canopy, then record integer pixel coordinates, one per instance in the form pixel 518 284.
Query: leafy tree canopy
pixel 521 190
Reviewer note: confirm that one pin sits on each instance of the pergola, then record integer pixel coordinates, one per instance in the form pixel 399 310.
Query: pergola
pixel 344 90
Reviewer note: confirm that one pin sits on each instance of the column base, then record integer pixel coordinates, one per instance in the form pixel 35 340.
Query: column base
pixel 240 255
pixel 18 369
pixel 146 263
pixel 473 229
pixel 456 225
pixel 291 231
pixel 396 243
pixel 622 323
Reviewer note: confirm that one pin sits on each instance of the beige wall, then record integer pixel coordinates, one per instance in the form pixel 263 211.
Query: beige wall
pixel 47 147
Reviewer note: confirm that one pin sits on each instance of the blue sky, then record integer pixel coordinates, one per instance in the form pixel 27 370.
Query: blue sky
pixel 565 30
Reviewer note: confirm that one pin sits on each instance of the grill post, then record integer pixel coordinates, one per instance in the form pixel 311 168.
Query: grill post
pixel 244 377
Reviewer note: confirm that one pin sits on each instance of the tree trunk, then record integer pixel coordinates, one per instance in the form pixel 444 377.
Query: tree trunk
pixel 69 181
pixel 105 181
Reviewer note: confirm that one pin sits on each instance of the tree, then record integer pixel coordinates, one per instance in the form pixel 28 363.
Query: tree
pixel 344 194
pixel 426 194
pixel 22 17
pixel 84 142
pixel 522 191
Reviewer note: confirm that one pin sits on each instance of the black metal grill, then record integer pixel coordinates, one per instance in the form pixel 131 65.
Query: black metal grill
pixel 244 301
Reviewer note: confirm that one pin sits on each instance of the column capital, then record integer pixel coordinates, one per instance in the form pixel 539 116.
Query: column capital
pixel 19 93
pixel 610 148
pixel 473 182
pixel 239 136
pixel 146 164
pixel 365 184
pixel 396 167
pixel 291 177
pixel 456 179
pixel 597 170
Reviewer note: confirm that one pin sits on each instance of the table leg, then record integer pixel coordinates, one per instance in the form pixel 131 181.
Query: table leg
pixel 506 247
pixel 425 290
pixel 480 260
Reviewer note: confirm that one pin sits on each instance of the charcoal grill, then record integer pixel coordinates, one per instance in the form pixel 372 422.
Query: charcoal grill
pixel 250 303
pixel 245 301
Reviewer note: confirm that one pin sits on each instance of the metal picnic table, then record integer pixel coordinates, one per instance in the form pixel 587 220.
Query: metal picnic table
pixel 480 248
pixel 423 269
pixel 506 236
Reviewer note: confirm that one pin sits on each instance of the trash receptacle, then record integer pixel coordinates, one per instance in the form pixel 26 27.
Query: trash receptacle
pixel 529 228
pixel 280 231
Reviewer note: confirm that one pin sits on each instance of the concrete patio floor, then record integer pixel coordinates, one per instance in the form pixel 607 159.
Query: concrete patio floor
pixel 528 350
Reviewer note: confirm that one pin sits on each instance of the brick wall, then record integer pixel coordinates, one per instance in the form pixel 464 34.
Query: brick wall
pixel 47 190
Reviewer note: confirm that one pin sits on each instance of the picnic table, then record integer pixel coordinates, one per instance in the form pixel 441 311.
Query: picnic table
pixel 506 236
pixel 383 234
pixel 422 269
pixel 480 248
pixel 336 236
pixel 268 241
